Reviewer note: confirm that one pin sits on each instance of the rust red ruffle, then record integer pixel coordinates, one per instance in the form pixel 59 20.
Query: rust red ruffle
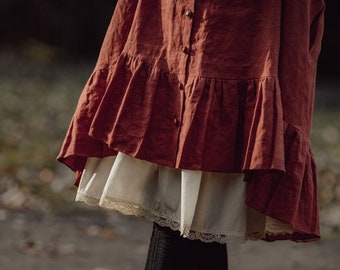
pixel 210 124
pixel 221 125
pixel 290 196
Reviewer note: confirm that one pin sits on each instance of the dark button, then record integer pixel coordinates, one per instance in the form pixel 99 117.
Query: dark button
pixel 185 50
pixel 181 86
pixel 176 122
pixel 189 13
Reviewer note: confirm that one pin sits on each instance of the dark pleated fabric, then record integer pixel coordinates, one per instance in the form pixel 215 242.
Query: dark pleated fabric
pixel 169 251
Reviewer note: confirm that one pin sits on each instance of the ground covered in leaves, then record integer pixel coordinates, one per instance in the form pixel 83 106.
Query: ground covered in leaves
pixel 42 228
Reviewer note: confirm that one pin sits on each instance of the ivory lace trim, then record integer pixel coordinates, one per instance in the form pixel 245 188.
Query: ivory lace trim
pixel 273 227
pixel 127 208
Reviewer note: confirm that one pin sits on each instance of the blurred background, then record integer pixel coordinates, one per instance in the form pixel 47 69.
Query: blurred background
pixel 47 52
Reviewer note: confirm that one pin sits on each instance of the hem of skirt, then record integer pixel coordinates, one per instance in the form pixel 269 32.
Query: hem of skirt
pixel 131 209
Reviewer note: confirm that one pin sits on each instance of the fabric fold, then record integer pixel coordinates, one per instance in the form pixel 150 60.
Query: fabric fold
pixel 192 93
pixel 190 186
pixel 212 125
pixel 290 197
pixel 201 205
pixel 224 125
pixel 170 197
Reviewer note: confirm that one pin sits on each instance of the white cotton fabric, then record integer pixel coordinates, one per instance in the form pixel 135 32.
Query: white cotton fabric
pixel 207 206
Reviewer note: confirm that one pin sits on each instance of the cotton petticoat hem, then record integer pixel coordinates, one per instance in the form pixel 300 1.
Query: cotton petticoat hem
pixel 191 201
pixel 127 208
pixel 201 205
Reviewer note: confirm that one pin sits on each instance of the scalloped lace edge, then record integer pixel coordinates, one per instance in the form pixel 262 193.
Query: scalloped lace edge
pixel 273 227
pixel 127 208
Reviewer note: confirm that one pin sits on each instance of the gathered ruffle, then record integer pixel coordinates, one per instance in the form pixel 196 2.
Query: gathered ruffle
pixel 221 125
pixel 291 197
pixel 209 124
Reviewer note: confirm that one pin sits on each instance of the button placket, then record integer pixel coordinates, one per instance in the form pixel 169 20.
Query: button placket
pixel 188 9
pixel 185 11
pixel 187 17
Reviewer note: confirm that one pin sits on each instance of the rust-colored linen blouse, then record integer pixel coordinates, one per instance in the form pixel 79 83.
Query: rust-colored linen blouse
pixel 221 86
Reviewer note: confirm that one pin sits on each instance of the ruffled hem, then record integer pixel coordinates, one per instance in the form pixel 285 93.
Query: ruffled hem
pixel 291 197
pixel 180 199
pixel 195 203
pixel 208 124
pixel 273 231
pixel 127 208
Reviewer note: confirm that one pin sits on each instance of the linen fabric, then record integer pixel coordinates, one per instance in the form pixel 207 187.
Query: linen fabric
pixel 205 206
pixel 216 86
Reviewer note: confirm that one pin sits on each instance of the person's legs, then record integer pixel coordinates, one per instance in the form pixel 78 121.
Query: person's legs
pixel 169 251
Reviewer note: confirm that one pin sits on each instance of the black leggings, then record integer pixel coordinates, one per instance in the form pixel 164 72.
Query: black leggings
pixel 169 251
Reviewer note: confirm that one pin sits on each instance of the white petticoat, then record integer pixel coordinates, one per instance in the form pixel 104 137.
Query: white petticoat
pixel 207 206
